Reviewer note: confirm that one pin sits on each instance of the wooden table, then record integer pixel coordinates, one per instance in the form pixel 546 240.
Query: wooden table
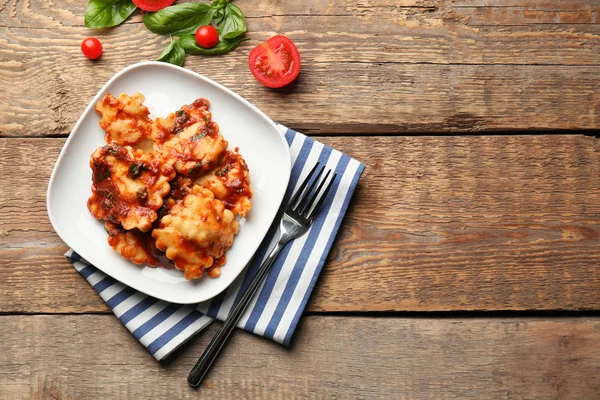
pixel 468 264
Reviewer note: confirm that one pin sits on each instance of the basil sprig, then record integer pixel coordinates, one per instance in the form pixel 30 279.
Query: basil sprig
pixel 228 19
pixel 179 19
pixel 173 54
pixel 107 13
pixel 190 46
pixel 232 22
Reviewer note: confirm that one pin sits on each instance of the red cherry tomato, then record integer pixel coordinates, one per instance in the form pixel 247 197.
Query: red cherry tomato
pixel 207 36
pixel 91 48
pixel 276 62
pixel 152 5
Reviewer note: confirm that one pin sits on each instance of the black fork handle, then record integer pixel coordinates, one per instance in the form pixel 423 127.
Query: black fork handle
pixel 213 349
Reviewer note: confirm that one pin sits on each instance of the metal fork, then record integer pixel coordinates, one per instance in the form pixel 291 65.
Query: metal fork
pixel 297 218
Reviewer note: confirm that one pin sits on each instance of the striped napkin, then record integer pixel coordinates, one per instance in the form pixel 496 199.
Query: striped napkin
pixel 162 327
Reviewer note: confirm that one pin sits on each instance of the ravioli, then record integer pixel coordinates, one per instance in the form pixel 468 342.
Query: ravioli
pixel 196 232
pixel 168 189
pixel 125 119
pixel 230 183
pixel 128 186
pixel 134 245
pixel 191 138
pixel 181 186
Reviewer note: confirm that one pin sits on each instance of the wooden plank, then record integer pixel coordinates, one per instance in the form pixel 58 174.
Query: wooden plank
pixel 549 5
pixel 437 223
pixel 93 356
pixel 527 13
pixel 459 76
pixel 37 13
pixel 523 15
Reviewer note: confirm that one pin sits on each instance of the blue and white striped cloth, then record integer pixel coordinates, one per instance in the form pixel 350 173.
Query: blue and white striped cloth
pixel 162 327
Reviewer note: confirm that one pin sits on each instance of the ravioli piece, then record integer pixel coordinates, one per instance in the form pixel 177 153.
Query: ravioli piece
pixel 191 138
pixel 161 129
pixel 181 186
pixel 128 186
pixel 196 232
pixel 134 245
pixel 230 183
pixel 215 270
pixel 125 120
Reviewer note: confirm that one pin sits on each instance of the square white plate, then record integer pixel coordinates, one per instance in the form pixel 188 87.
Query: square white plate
pixel 167 88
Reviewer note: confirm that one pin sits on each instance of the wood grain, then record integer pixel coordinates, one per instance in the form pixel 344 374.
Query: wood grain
pixel 437 223
pixel 89 357
pixel 416 67
pixel 36 13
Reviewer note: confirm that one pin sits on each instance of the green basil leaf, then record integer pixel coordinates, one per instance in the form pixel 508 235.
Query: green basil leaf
pixel 179 19
pixel 219 15
pixel 173 54
pixel 107 13
pixel 219 3
pixel 233 23
pixel 188 42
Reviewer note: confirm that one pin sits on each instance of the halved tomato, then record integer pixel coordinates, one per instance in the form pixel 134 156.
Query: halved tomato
pixel 276 62
pixel 152 5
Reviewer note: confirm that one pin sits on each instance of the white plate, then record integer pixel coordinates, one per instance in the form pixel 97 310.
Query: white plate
pixel 168 87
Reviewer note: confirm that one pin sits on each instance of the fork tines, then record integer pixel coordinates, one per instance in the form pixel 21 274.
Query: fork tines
pixel 303 201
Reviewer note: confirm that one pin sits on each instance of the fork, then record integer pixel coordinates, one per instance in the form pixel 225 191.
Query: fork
pixel 297 218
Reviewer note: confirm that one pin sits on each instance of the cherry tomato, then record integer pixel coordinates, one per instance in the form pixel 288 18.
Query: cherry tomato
pixel 152 5
pixel 207 36
pixel 276 62
pixel 91 48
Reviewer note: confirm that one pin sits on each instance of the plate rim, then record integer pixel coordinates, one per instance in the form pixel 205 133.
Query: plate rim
pixel 89 108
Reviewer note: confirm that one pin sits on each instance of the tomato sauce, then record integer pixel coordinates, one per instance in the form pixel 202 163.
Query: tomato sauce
pixel 237 187
pixel 115 206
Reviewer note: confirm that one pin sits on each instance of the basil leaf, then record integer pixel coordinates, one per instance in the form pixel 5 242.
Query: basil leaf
pixel 233 23
pixel 173 54
pixel 188 42
pixel 135 169
pixel 219 3
pixel 142 194
pixel 179 19
pixel 107 13
pixel 219 15
pixel 199 136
